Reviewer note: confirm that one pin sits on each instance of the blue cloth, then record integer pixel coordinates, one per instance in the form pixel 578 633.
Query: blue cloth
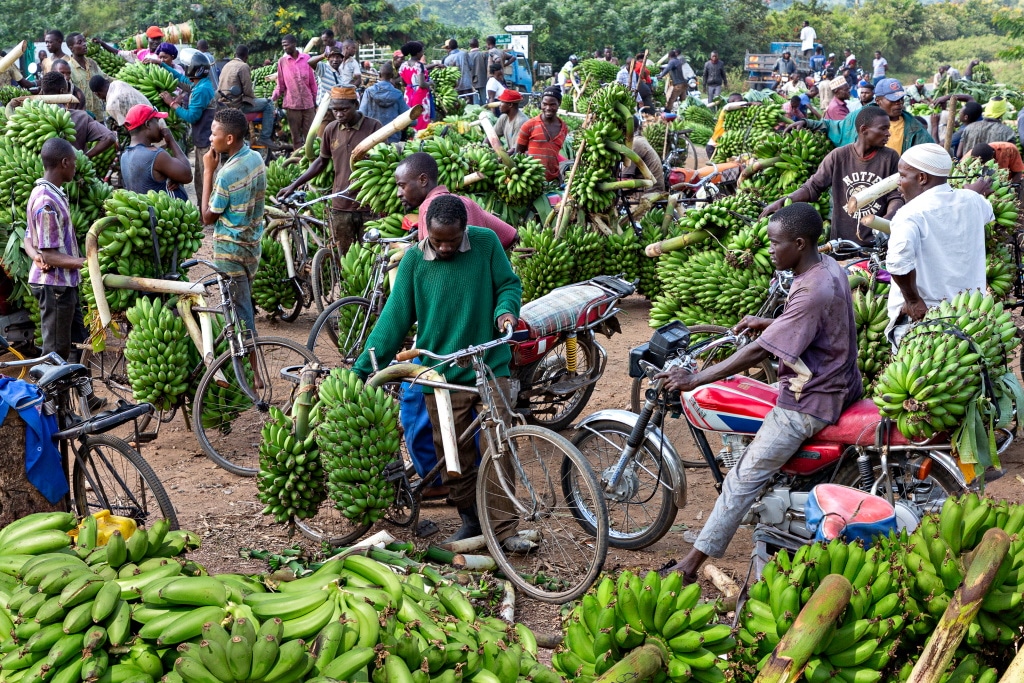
pixel 817 62
pixel 42 459
pixel 384 102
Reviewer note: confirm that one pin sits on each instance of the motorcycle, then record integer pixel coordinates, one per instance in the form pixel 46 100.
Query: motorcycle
pixel 556 367
pixel 645 482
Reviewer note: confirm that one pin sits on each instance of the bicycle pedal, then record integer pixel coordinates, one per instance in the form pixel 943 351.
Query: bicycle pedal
pixel 146 437
pixel 394 471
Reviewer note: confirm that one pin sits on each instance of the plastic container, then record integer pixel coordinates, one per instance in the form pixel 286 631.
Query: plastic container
pixel 107 524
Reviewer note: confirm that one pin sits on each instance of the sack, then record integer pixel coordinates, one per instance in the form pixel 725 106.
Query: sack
pixel 835 511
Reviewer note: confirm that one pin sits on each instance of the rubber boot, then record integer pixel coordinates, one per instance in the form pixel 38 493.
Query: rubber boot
pixel 470 526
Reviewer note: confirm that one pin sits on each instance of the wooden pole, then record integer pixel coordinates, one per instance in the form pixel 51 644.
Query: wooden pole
pixel 951 124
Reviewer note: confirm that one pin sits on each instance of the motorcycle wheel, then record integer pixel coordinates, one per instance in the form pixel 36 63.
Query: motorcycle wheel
pixel 648 514
pixel 927 494
pixel 553 411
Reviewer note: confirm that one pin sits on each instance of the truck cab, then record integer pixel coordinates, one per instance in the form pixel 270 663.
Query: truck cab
pixel 519 74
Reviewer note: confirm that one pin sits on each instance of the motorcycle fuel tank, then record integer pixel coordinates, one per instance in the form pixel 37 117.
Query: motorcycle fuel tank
pixel 738 404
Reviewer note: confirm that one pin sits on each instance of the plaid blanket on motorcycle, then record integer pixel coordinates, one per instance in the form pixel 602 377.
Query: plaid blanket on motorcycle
pixel 559 310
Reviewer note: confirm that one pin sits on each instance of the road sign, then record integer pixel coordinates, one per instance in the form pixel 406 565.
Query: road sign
pixel 519 28
pixel 503 40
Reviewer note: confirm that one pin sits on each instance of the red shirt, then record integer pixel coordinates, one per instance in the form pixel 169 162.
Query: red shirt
pixel 475 216
pixel 1007 156
pixel 547 150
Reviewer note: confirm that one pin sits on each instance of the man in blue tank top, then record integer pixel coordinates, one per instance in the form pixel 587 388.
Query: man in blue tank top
pixel 144 166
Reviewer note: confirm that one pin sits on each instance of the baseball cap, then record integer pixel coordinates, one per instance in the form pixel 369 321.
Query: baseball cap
pixel 573 58
pixel 510 95
pixel 866 84
pixel 831 54
pixel 140 114
pixel 154 32
pixel 890 89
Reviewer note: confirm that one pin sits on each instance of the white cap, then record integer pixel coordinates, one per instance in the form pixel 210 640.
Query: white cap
pixel 838 82
pixel 929 158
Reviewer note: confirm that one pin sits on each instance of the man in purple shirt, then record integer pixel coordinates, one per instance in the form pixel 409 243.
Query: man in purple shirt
pixel 815 340
pixel 51 244
pixel 296 85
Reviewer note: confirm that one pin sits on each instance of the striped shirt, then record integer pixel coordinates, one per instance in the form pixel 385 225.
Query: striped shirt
pixel 328 77
pixel 547 150
pixel 238 193
pixel 49 227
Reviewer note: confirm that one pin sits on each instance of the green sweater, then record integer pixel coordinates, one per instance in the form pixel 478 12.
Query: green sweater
pixel 456 304
pixel 845 132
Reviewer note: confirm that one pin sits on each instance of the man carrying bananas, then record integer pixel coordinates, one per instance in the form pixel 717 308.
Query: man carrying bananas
pixel 458 287
pixel 850 169
pixel 937 240
pixel 815 339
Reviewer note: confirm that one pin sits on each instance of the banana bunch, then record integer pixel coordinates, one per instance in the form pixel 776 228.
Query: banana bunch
pixel 622 255
pixel 9 92
pixel 151 80
pixel 260 85
pixel 451 166
pixel 862 643
pixel 373 180
pixel 290 481
pixel 611 108
pixel 757 115
pixel 588 187
pixel 160 353
pixel 542 262
pixel 520 183
pixel 936 374
pixel 34 122
pixel 749 247
pixel 597 70
pixel 723 217
pixel 490 202
pixel 127 249
pixel 650 284
pixel 1000 271
pixel 357 439
pixel 966 667
pixel 696 112
pixel 19 169
pixel 280 175
pixel 654 133
pixel 271 289
pixel 786 162
pixel 445 94
pixel 225 402
pixel 1002 197
pixel 31 305
pixel 86 193
pixel 700 134
pixel 482 159
pixel 618 616
pixel 103 162
pixel 871 316
pixel 324 180
pixel 389 226
pixel 110 64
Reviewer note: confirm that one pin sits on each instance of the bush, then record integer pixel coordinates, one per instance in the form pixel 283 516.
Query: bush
pixel 927 58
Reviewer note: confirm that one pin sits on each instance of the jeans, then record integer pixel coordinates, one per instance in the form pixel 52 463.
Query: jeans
pixel 776 441
pixel 60 317
pixel 267 107
pixel 714 91
pixel 241 293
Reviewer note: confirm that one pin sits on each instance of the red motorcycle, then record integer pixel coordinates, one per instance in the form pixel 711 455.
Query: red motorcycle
pixel 645 482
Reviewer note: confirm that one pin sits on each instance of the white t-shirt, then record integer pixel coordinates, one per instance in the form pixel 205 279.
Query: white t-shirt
pixel 846 62
pixel 879 67
pixel 495 86
pixel 940 234
pixel 807 38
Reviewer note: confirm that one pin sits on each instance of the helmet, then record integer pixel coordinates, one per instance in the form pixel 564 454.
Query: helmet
pixel 197 65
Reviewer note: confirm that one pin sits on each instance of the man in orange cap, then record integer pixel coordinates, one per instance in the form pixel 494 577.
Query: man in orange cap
pixel 511 119
pixel 155 36
pixel 339 138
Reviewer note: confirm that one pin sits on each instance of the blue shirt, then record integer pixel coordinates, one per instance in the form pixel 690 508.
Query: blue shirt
pixel 384 102
pixel 201 97
pixel 238 193
pixel 817 62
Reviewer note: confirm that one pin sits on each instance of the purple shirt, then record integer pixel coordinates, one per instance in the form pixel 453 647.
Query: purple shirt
pixel 815 339
pixel 49 226
pixel 296 82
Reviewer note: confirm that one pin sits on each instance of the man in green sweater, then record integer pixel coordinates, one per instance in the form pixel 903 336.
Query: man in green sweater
pixel 457 285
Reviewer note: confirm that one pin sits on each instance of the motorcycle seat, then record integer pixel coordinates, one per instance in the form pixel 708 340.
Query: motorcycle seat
pixel 857 426
pixel 566 308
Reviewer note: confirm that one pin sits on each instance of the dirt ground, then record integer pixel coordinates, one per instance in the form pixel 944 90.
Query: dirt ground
pixel 224 510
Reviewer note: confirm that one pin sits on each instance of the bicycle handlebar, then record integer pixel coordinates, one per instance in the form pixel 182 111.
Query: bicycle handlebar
pixel 463 353
pixel 52 358
pixel 841 246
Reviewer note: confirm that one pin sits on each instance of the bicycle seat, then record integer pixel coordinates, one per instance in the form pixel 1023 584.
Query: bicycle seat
pixel 48 374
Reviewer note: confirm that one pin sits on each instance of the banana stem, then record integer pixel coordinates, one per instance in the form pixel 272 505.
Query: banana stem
pixel 641 664
pixel 400 123
pixel 790 656
pixel 670 210
pixel 635 184
pixel 314 130
pixel 11 58
pixel 1014 672
pixel 304 401
pixel 962 609
pixel 507 609
pixel 195 333
pixel 492 138
pixel 871 193
pixel 673 243
pixel 92 257
pixel 563 207
pixel 634 158
pixel 601 226
pixel 876 223
pixel 473 178
pixel 758 165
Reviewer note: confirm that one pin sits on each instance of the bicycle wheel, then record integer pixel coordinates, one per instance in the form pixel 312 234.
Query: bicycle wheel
pixel 546 405
pixel 643 509
pixel 567 559
pixel 108 367
pixel 290 314
pixel 330 526
pixel 225 421
pixel 338 334
pixel 326 278
pixel 12 354
pixel 108 474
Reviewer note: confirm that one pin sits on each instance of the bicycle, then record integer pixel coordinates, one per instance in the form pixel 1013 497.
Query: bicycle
pixel 525 467
pixel 298 232
pixel 339 332
pixel 104 472
pixel 228 409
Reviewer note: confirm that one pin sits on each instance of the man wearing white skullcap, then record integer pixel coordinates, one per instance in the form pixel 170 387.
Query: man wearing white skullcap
pixel 937 240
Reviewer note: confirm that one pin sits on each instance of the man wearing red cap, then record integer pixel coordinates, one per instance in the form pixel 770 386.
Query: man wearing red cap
pixel 511 119
pixel 338 140
pixel 155 36
pixel 144 166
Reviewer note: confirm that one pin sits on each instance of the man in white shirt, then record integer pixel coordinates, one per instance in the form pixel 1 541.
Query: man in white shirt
pixel 495 84
pixel 879 67
pixel 807 38
pixel 937 241
pixel 848 57
pixel 566 79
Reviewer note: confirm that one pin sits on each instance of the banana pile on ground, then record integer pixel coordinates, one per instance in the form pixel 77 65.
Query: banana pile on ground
pixel 862 643
pixel 291 479
pixel 357 438
pixel 261 86
pixel 618 616
pixel 445 94
pixel 452 167
pixel 934 383
pixel 281 175
pixel 542 262
pixel 605 142
pixel 110 63
pixel 271 289
pixel 126 248
pixel 160 353
pixel 373 180
pixel 871 315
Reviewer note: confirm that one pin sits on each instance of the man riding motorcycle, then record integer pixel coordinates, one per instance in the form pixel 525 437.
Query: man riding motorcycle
pixel 815 340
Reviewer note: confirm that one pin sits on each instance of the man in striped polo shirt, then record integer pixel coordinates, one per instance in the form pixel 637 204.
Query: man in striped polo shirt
pixel 543 135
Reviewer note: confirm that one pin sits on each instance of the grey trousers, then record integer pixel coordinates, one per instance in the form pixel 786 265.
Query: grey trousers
pixel 778 439
pixel 714 91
